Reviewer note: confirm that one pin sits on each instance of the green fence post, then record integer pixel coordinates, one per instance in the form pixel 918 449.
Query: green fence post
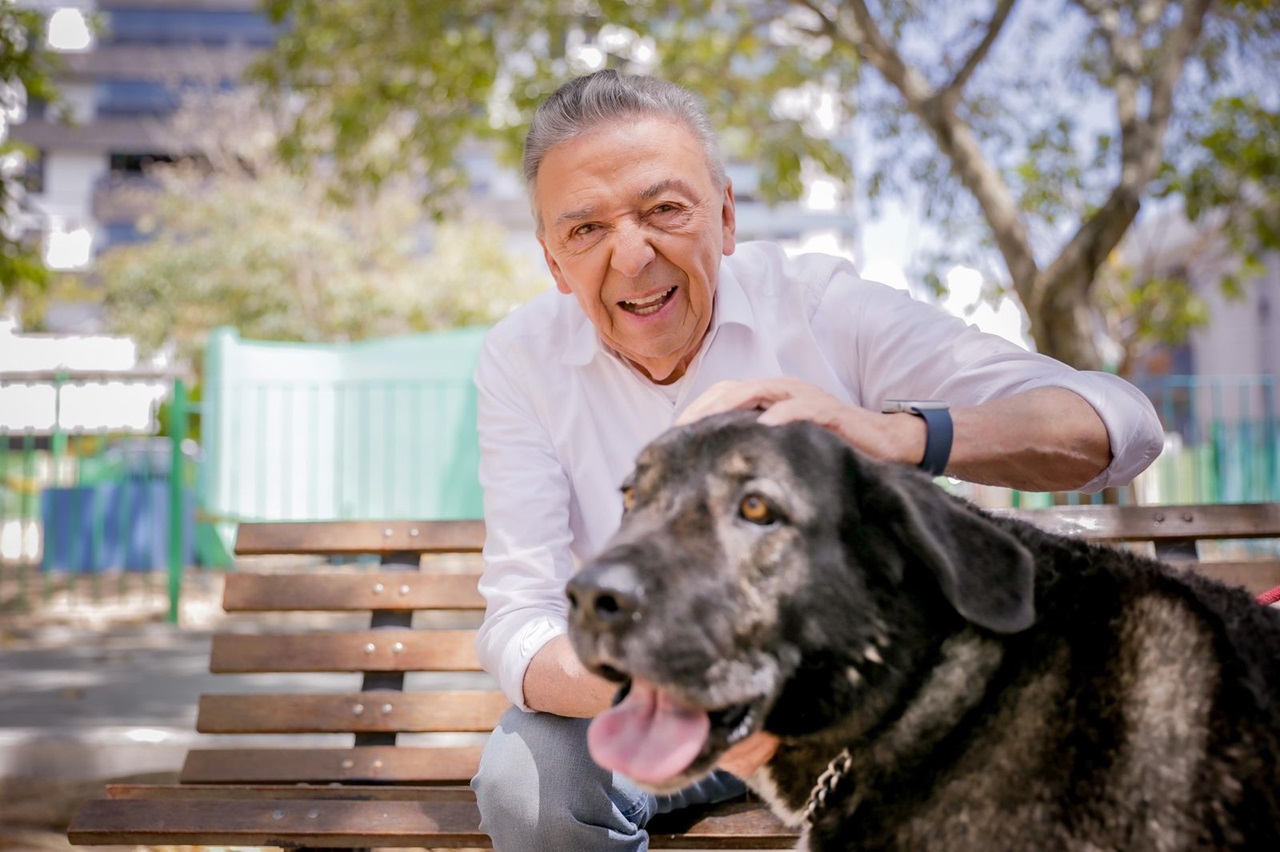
pixel 177 436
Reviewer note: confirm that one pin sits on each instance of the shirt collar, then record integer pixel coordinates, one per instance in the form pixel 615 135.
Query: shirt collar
pixel 732 308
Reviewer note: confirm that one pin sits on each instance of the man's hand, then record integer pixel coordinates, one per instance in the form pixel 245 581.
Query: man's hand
pixel 783 400
pixel 749 755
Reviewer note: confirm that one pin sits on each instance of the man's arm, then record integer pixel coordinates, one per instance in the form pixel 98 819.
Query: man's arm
pixel 1045 439
pixel 556 682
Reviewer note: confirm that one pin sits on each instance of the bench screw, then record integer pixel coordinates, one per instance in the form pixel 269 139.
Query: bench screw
pixel 348 764
pixel 370 648
pixel 404 590
pixel 313 813
pixel 277 814
pixel 413 532
pixel 358 709
pixel 377 588
pixel 1159 517
pixel 387 532
pixel 397 648
pixel 377 764
pixel 386 708
pixel 1188 517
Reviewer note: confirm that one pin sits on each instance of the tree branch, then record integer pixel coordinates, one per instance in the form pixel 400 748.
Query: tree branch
pixel 994 27
pixel 1142 138
pixel 956 141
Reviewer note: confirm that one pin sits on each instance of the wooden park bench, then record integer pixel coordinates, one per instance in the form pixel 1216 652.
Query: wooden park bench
pixel 377 789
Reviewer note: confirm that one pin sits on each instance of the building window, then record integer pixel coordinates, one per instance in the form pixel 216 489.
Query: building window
pixel 182 26
pixel 33 173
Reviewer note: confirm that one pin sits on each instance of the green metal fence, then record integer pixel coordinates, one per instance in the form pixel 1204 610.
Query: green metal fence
pixel 92 506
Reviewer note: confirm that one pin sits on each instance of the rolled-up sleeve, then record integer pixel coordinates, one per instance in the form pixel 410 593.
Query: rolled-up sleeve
pixel 903 347
pixel 526 510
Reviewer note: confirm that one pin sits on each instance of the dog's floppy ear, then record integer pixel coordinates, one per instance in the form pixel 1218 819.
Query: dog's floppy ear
pixel 986 574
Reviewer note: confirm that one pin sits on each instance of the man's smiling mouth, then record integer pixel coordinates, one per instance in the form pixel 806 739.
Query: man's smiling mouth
pixel 644 307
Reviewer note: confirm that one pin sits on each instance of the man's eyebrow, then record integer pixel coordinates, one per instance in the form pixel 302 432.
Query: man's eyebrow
pixel 576 215
pixel 669 184
pixel 582 214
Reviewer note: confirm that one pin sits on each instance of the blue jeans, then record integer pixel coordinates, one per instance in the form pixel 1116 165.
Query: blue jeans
pixel 539 790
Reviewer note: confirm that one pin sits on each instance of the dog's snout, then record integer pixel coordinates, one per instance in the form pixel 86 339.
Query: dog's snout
pixel 607 595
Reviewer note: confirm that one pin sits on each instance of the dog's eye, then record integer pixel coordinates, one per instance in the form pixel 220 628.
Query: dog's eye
pixel 628 498
pixel 754 509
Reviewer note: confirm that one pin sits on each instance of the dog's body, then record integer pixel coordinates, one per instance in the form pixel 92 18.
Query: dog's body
pixel 938 678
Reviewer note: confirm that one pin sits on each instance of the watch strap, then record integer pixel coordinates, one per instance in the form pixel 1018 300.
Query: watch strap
pixel 938 435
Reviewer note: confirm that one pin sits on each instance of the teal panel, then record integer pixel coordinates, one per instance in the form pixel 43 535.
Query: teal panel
pixel 376 429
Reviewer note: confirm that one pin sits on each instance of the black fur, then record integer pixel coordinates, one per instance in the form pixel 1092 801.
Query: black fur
pixel 1010 689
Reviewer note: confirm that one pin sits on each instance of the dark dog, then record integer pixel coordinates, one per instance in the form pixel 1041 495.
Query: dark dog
pixel 939 678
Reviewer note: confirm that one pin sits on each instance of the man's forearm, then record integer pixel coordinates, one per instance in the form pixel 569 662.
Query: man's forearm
pixel 1048 439
pixel 556 682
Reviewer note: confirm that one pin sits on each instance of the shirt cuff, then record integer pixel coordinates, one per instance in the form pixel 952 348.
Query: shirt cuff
pixel 526 643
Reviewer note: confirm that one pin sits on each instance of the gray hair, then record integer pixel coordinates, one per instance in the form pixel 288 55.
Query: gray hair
pixel 585 103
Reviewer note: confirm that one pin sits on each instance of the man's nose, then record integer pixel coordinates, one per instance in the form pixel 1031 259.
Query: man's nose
pixel 605 596
pixel 632 251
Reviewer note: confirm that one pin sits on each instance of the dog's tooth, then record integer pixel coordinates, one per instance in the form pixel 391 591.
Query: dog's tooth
pixel 854 676
pixel 872 653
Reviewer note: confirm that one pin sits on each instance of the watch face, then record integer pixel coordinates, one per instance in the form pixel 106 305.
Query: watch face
pixel 892 406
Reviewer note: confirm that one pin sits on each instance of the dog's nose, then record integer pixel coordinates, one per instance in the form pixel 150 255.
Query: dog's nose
pixel 606 595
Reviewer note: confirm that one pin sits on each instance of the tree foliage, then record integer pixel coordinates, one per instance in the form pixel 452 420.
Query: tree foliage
pixel 1031 132
pixel 26 70
pixel 237 239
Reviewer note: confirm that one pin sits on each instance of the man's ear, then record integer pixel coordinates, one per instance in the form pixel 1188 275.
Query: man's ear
pixel 729 219
pixel 556 273
pixel 986 574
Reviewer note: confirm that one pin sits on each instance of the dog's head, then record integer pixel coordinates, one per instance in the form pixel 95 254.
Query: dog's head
pixel 770 578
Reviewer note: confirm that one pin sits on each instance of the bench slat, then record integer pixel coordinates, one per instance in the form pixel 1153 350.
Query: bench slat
pixel 328 592
pixel 1257 575
pixel 383 650
pixel 249 822
pixel 397 764
pixel 360 712
pixel 350 538
pixel 387 816
pixel 362 792
pixel 1156 523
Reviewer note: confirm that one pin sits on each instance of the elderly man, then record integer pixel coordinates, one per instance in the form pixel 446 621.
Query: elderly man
pixel 670 319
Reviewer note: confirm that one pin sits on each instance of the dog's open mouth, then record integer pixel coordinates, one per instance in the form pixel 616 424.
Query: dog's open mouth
pixel 652 737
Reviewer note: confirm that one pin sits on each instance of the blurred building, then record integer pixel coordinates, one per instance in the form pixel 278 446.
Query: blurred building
pixel 126 65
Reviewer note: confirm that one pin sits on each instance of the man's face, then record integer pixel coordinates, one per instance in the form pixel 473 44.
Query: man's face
pixel 634 226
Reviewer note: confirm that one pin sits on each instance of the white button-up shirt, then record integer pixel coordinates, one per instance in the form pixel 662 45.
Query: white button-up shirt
pixel 562 418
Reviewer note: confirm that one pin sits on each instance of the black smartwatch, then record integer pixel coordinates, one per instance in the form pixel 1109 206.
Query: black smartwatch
pixel 938 430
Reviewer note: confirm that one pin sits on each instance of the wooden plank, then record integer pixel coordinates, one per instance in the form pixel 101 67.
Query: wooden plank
pixel 1255 576
pixel 385 816
pixel 361 712
pixel 730 825
pixel 383 650
pixel 359 792
pixel 385 764
pixel 333 538
pixel 1157 523
pixel 333 592
pixel 249 822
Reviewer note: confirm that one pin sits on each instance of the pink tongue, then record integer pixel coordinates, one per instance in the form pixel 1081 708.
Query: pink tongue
pixel 649 737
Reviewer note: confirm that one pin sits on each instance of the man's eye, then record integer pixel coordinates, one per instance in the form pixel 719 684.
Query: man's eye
pixel 754 509
pixel 583 230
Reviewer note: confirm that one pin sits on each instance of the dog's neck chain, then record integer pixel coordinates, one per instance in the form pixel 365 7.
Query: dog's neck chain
pixel 827 783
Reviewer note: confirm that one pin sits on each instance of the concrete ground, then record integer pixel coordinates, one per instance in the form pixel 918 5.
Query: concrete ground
pixel 98 691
